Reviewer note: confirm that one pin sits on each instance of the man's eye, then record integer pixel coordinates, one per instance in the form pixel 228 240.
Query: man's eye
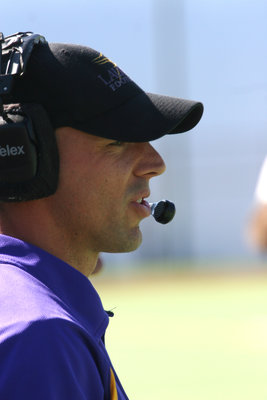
pixel 117 143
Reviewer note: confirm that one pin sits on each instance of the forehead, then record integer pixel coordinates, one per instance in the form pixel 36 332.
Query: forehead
pixel 67 134
pixel 77 147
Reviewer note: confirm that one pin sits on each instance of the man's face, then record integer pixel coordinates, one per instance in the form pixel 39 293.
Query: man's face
pixel 101 183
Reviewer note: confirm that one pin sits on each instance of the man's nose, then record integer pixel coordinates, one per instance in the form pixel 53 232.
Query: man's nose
pixel 151 164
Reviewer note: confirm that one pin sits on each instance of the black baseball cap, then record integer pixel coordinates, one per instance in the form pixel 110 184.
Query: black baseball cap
pixel 81 88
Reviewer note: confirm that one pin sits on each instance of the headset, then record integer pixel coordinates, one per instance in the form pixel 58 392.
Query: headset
pixel 29 161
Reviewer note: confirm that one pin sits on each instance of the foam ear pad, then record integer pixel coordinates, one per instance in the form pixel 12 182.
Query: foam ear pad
pixel 29 160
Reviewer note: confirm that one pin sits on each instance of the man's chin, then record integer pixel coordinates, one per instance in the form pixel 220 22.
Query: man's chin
pixel 134 242
pixel 127 245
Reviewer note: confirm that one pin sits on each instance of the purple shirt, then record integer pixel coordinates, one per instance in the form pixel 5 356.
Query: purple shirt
pixel 52 323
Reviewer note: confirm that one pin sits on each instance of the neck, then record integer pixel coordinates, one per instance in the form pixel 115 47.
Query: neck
pixel 29 222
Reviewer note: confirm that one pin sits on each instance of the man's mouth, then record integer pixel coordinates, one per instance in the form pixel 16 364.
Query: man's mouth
pixel 143 207
pixel 142 201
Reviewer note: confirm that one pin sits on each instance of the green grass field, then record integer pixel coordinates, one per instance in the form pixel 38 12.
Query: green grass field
pixel 188 336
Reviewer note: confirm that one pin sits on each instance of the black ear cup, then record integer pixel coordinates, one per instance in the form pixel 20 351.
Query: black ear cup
pixel 18 152
pixel 29 161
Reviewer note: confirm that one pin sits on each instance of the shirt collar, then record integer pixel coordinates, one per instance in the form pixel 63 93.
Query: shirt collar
pixel 67 283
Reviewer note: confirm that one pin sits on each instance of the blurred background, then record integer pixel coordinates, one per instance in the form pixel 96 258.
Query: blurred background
pixel 191 301
pixel 213 51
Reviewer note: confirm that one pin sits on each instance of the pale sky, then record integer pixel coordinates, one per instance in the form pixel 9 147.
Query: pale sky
pixel 210 50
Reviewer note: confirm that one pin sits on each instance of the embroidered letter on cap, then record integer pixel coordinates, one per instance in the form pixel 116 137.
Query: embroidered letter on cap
pixel 113 77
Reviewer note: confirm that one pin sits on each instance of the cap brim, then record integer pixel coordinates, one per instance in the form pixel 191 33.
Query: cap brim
pixel 145 117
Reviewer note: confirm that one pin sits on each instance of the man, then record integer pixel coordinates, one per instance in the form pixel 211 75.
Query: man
pixel 258 220
pixel 52 322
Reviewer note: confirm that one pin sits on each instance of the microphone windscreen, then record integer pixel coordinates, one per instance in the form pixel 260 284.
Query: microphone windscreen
pixel 163 211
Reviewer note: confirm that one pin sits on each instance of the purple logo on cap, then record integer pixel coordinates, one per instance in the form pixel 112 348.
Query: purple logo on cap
pixel 113 77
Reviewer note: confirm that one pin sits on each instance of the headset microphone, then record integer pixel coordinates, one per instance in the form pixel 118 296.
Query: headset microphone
pixel 163 211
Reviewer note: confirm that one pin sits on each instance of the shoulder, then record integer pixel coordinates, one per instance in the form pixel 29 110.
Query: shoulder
pixel 48 360
pixel 26 298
